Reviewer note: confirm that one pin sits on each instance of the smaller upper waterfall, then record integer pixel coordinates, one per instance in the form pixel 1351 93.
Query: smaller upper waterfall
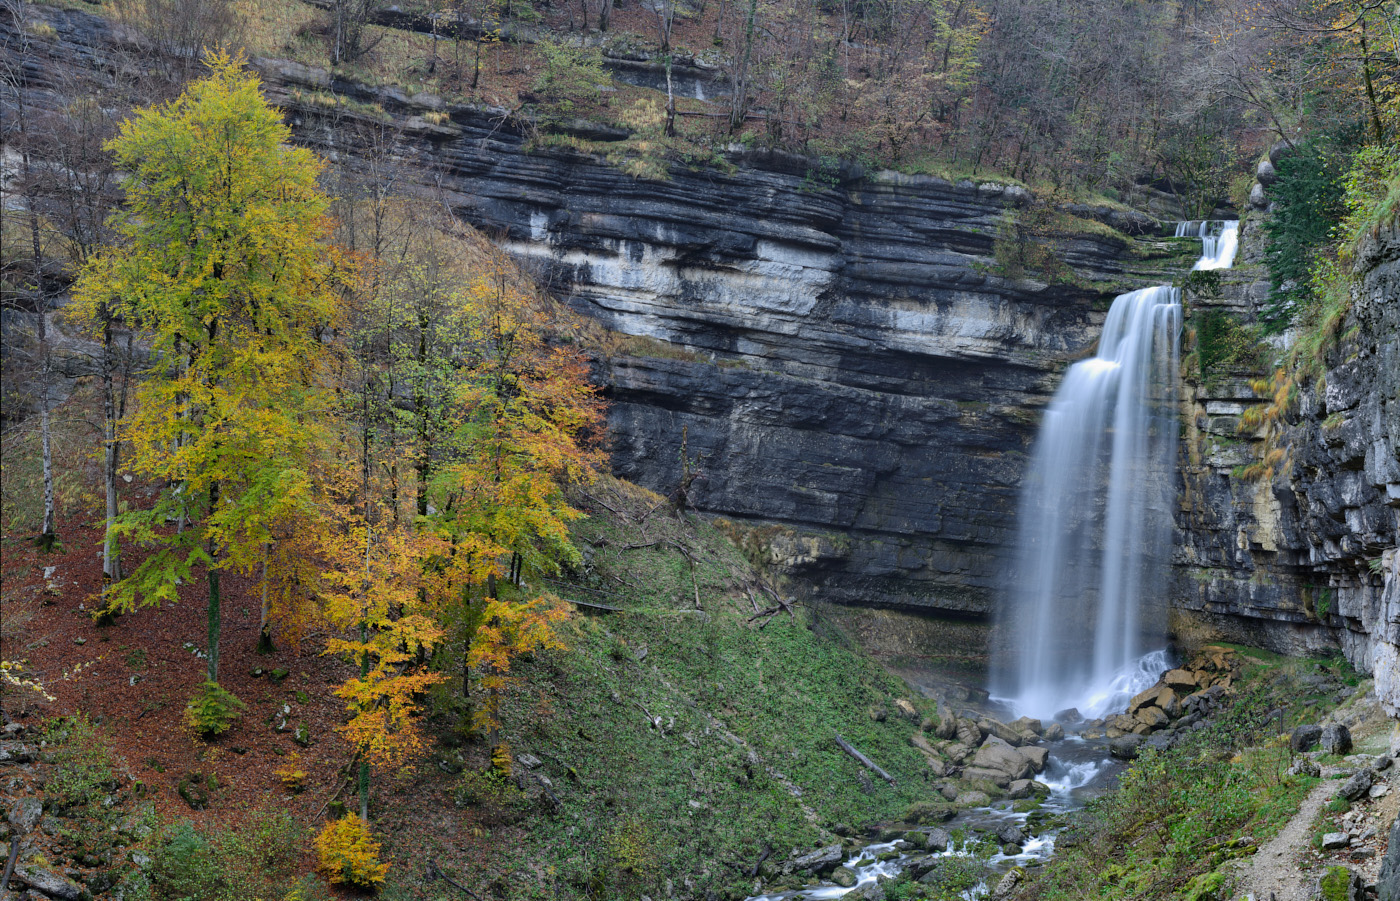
pixel 1084 624
pixel 1217 249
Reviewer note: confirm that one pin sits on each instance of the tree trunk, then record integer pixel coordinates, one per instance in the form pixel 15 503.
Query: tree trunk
pixel 111 560
pixel 47 537
pixel 265 645
pixel 670 98
pixel 215 621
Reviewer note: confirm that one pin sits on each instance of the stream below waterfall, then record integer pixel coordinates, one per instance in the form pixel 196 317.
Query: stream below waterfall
pixel 1078 769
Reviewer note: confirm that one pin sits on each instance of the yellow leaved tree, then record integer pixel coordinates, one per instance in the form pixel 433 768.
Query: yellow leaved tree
pixel 224 263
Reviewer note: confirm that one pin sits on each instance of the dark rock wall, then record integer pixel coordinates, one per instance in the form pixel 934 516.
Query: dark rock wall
pixel 835 348
pixel 1305 562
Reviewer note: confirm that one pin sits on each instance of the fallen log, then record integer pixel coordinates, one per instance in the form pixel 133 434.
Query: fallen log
pixel 862 759
pixel 592 606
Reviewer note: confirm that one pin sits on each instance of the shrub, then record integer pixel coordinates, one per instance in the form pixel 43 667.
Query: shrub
pixel 1308 204
pixel 257 858
pixel 1222 344
pixel 212 710
pixel 84 772
pixel 568 85
pixel 349 855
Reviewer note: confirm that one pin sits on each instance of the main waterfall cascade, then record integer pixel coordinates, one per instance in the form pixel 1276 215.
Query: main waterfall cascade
pixel 1085 626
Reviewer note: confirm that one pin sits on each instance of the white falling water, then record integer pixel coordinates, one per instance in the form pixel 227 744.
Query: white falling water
pixel 1084 627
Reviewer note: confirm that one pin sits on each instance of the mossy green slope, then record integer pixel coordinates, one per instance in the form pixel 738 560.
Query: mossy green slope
pixel 682 742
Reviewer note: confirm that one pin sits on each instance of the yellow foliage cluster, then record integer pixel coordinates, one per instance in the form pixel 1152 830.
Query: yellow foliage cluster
pixel 348 855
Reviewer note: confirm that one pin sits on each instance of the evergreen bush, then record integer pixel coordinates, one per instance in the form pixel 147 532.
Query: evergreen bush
pixel 212 710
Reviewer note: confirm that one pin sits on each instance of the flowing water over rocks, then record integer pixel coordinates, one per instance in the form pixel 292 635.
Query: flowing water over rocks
pixel 1096 513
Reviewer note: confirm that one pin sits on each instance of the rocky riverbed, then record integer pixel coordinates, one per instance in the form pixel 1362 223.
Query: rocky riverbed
pixel 1003 789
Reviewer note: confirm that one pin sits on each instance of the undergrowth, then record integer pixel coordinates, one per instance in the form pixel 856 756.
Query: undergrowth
pixel 1180 815
pixel 683 739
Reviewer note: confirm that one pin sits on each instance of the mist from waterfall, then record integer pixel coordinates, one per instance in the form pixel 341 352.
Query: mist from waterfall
pixel 1085 623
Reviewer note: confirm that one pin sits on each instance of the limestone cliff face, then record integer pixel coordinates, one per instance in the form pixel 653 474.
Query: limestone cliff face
pixel 1306 562
pixel 834 347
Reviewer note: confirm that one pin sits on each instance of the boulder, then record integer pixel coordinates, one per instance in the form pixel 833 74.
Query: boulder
pixel 1305 738
pixel 937 766
pixel 1121 722
pixel 957 752
pixel 844 877
pixel 925 748
pixel 917 867
pixel 1339 884
pixel 1159 696
pixel 1027 724
pixel 1334 841
pixel 1054 732
pixel 1266 173
pixel 820 861
pixel 1000 730
pixel 1037 757
pixel 1336 739
pixel 973 799
pixel 1257 199
pixel 949 790
pixel 969 733
pixel 1010 834
pixel 1305 767
pixel 1151 717
pixel 1125 747
pixel 1069 716
pixel 26 813
pixel 938 840
pixel 1006 888
pixel 996 754
pixel 906 709
pixel 1356 786
pixel 1181 681
pixel 1018 789
pixel 947 728
pixel 1000 778
pixel 49 883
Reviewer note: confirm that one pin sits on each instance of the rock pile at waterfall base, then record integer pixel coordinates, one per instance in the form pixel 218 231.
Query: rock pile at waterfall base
pixel 1182 699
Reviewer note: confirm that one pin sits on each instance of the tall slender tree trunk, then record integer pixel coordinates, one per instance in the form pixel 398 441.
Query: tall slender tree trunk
pixel 265 645
pixel 739 100
pixel 111 558
pixel 215 620
pixel 47 537
pixel 420 405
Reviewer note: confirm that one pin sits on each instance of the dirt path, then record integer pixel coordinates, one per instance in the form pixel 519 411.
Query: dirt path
pixel 1275 872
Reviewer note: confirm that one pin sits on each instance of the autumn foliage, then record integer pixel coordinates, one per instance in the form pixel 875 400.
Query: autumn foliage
pixel 348 855
pixel 380 433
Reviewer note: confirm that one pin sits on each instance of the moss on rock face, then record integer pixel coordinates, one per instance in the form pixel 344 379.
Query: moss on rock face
pixel 1339 884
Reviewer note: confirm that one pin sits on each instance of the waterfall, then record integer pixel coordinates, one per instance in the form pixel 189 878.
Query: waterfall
pixel 1084 625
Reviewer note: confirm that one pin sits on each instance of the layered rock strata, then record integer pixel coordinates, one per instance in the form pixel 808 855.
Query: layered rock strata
pixel 1303 562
